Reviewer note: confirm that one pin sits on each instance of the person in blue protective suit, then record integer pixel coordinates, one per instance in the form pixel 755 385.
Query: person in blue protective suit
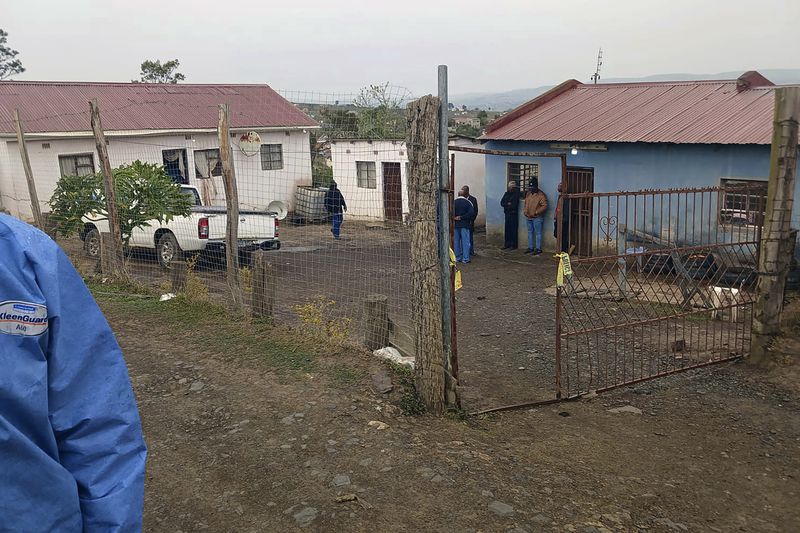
pixel 72 455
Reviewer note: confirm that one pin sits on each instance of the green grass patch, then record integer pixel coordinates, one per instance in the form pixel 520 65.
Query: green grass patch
pixel 206 327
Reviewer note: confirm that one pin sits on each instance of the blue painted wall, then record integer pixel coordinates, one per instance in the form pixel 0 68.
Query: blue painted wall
pixel 626 166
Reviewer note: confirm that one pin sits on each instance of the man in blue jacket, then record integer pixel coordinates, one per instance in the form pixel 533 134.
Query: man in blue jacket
pixel 72 455
pixel 463 213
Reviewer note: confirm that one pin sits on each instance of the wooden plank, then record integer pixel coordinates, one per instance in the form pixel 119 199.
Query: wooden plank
pixel 232 206
pixel 115 243
pixel 26 165
pixel 426 286
pixel 776 248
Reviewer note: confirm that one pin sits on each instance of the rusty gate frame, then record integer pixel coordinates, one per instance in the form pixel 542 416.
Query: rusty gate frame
pixel 619 258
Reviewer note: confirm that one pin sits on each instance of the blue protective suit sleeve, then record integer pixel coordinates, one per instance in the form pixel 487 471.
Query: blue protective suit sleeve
pixel 91 405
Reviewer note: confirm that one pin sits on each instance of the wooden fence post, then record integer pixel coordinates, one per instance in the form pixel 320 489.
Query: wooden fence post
pixel 265 286
pixel 775 255
pixel 426 285
pixel 115 243
pixel 26 165
pixel 106 254
pixel 178 276
pixel 376 321
pixel 232 203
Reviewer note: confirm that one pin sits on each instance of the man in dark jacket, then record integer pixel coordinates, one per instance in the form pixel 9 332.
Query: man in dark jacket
pixel 336 206
pixel 474 202
pixel 510 204
pixel 463 215
pixel 564 218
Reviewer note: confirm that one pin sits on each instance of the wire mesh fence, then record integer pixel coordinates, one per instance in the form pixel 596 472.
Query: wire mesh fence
pixel 320 179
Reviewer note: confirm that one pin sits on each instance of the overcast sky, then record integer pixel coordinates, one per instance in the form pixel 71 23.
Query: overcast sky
pixel 309 45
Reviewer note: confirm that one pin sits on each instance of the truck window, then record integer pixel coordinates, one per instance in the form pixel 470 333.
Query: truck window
pixel 191 193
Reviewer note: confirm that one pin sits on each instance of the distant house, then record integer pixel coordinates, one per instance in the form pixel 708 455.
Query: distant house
pixel 372 175
pixel 171 125
pixel 467 121
pixel 630 136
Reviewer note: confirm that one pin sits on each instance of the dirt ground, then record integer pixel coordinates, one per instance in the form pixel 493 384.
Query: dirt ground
pixel 251 430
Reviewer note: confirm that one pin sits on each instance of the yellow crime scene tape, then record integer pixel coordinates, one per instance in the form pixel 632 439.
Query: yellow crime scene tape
pixel 564 268
pixel 458 272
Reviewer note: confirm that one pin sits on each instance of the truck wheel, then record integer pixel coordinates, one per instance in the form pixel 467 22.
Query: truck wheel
pixel 91 243
pixel 167 250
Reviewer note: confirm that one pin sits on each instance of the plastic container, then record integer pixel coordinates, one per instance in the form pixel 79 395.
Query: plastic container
pixel 310 204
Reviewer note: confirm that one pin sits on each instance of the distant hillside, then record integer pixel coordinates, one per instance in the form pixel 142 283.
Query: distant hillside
pixel 511 99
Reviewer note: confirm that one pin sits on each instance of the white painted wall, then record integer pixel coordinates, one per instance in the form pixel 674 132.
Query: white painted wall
pixel 257 188
pixel 363 203
pixel 367 204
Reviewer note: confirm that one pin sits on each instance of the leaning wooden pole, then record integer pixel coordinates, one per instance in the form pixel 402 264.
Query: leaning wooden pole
pixel 426 285
pixel 36 209
pixel 110 191
pixel 776 245
pixel 232 203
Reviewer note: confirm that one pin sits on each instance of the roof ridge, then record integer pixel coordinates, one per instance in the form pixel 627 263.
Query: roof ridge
pixel 129 83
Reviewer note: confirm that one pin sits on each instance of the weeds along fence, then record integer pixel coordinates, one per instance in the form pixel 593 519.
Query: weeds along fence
pixel 314 183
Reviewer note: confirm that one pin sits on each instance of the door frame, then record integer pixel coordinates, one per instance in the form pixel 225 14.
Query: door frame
pixel 581 227
pixel 398 209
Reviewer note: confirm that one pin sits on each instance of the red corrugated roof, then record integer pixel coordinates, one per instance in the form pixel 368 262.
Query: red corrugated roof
pixel 64 106
pixel 691 112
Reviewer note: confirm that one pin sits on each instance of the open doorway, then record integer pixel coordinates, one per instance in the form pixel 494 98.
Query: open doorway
pixel 581 180
pixel 392 192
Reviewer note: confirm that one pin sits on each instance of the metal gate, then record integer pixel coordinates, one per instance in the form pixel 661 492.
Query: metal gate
pixel 668 284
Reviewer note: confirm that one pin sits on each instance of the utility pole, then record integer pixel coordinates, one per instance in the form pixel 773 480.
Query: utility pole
pixel 776 245
pixel 36 209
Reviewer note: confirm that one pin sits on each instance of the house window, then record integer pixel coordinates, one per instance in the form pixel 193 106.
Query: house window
pixel 522 173
pixel 271 157
pixel 207 163
pixel 365 171
pixel 744 202
pixel 76 164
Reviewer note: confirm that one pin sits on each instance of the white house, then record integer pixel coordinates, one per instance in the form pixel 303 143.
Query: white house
pixel 372 175
pixel 171 125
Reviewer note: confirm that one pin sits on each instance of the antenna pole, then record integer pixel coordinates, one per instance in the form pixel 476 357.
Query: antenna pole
pixel 596 75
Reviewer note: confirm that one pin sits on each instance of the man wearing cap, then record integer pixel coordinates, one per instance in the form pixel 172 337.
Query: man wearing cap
pixel 535 207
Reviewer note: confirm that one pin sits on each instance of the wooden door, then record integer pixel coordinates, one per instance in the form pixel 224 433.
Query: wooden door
pixel 392 192
pixel 581 179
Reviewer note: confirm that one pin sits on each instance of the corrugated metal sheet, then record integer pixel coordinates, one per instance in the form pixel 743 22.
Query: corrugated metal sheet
pixel 697 112
pixel 64 106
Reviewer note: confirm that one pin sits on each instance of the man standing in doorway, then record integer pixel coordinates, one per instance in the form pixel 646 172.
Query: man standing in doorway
pixel 535 207
pixel 463 215
pixel 474 202
pixel 335 205
pixel 510 205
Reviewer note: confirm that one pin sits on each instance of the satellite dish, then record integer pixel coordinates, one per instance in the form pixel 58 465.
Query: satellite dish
pixel 279 208
pixel 250 143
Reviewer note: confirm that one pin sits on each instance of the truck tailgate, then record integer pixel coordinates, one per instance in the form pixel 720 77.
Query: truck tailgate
pixel 252 226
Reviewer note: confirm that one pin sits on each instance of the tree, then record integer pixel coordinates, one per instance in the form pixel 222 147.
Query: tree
pixel 156 72
pixel 338 123
pixel 468 131
pixel 145 193
pixel 9 64
pixel 483 116
pixel 380 115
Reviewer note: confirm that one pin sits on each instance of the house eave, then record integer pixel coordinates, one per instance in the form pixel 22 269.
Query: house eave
pixel 149 133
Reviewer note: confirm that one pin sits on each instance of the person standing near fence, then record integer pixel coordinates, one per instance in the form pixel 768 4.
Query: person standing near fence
pixel 474 202
pixel 534 209
pixel 73 455
pixel 510 204
pixel 463 215
pixel 336 206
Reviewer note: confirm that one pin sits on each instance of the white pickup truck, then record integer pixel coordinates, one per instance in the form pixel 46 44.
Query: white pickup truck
pixel 203 230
